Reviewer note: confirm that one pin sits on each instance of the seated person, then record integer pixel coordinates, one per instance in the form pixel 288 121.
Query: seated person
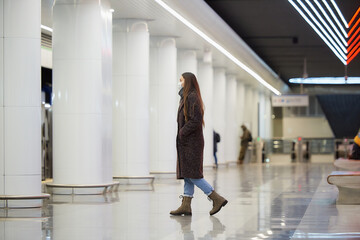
pixel 355 154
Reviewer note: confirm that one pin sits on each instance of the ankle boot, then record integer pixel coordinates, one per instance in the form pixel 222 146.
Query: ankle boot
pixel 185 208
pixel 218 202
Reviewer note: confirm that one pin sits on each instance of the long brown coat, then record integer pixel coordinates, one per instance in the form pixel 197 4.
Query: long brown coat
pixel 190 139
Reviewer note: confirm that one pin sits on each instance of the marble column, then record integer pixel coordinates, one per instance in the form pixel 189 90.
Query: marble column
pixel 231 125
pixel 130 98
pixel 248 113
pixel 187 62
pixel 262 115
pixel 205 78
pixel 240 112
pixel 163 104
pixel 20 100
pixel 255 114
pixel 82 110
pixel 268 117
pixel 219 110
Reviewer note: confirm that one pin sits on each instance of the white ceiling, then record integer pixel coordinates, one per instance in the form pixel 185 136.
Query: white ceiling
pixel 162 23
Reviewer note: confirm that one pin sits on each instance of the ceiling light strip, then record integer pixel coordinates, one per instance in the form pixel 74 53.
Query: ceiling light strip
pixel 353 28
pixel 331 22
pixel 339 13
pixel 317 31
pixel 335 18
pixel 325 80
pixel 353 44
pixel 338 53
pixel 327 26
pixel 218 46
pixel 355 15
pixel 353 36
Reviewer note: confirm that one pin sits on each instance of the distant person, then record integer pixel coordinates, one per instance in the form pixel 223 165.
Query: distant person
pixel 355 153
pixel 190 147
pixel 216 140
pixel 245 139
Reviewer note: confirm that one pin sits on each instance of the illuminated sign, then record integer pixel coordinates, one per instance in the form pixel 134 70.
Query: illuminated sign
pixel 290 101
pixel 329 23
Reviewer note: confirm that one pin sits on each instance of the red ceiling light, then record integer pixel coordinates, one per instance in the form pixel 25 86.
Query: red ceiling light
pixel 353 50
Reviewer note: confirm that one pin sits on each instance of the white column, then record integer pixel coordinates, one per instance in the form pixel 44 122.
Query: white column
pixel 130 98
pixel 187 62
pixel 219 110
pixel 231 125
pixel 262 115
pixel 82 112
pixel 255 113
pixel 20 99
pixel 163 104
pixel 268 118
pixel 248 113
pixel 240 113
pixel 205 79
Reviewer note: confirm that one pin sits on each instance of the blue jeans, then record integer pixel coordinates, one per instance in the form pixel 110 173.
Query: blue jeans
pixel 200 183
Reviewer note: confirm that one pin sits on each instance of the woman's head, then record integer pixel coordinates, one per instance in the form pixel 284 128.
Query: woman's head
pixel 190 83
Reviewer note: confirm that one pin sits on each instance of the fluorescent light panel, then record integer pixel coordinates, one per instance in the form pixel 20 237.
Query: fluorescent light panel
pixel 339 13
pixel 327 26
pixel 335 18
pixel 331 22
pixel 218 46
pixel 317 31
pixel 325 80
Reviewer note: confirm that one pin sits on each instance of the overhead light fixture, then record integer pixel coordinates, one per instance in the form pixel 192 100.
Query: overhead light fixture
pixel 335 18
pixel 331 22
pixel 218 47
pixel 340 13
pixel 112 10
pixel 321 28
pixel 327 27
pixel 46 28
pixel 317 31
pixel 325 80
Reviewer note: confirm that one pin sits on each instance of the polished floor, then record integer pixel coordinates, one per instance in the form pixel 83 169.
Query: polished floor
pixel 269 201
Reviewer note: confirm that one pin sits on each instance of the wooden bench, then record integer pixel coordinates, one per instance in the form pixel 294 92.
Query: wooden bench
pixel 348 183
pixel 22 197
pixel 347 164
pixel 107 186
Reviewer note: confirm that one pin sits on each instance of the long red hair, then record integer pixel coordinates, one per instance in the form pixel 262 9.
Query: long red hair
pixel 191 84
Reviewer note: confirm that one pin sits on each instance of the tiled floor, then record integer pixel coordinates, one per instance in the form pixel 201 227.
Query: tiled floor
pixel 288 201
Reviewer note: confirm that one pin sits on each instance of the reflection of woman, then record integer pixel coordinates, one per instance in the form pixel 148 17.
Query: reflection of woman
pixel 190 146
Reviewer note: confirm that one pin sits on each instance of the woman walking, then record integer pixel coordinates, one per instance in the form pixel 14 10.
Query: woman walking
pixel 190 147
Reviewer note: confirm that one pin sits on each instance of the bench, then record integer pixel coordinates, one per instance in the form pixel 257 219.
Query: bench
pixel 348 183
pixel 107 186
pixel 347 164
pixel 150 178
pixel 22 197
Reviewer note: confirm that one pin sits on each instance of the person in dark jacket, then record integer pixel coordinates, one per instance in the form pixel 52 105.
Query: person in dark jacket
pixel 190 147
pixel 245 139
pixel 216 140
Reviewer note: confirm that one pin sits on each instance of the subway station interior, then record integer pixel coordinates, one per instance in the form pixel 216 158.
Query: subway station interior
pixel 89 114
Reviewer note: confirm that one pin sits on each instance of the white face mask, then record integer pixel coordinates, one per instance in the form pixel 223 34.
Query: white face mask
pixel 179 87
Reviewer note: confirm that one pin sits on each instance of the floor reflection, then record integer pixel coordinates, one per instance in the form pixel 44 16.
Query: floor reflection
pixel 290 201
